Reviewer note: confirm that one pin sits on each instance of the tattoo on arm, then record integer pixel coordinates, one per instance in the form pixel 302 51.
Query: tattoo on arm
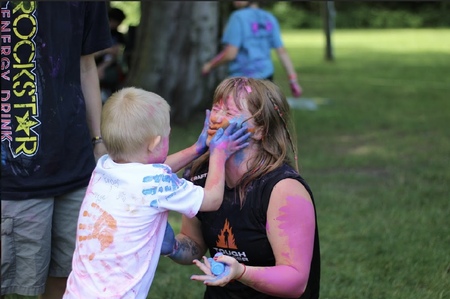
pixel 186 251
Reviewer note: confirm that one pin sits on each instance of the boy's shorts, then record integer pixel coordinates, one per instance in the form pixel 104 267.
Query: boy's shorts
pixel 38 240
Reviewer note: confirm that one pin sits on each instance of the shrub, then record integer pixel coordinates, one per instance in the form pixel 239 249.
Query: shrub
pixel 364 15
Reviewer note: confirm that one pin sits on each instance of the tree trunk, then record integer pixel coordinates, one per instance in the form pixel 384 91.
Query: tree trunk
pixel 173 41
pixel 329 15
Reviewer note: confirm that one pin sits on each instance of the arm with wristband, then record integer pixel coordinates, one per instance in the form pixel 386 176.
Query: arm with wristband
pixel 286 61
pixel 91 92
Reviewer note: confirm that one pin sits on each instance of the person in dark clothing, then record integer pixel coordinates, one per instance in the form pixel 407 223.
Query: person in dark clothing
pixel 271 249
pixel 50 136
pixel 110 64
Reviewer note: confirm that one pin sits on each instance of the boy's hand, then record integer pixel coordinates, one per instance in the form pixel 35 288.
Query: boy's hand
pixel 230 140
pixel 200 145
pixel 169 241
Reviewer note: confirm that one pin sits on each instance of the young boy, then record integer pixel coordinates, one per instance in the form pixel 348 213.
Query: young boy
pixel 132 189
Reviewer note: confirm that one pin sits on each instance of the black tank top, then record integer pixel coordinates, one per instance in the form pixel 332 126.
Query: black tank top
pixel 241 233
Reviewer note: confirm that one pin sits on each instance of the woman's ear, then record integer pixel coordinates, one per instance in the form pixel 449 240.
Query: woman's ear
pixel 153 143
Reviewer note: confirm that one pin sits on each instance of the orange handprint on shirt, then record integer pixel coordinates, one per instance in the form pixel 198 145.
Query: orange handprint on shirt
pixel 103 229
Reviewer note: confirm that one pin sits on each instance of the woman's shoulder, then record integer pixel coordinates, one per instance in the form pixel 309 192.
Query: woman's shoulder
pixel 285 173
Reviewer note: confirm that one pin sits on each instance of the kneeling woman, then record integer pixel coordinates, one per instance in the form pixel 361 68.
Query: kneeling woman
pixel 266 228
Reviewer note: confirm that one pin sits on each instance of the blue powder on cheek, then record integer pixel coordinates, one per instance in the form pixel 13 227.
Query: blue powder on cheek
pixel 238 157
pixel 238 120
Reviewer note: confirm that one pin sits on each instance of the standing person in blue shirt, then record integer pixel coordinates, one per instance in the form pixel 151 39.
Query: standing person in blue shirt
pixel 250 35
pixel 51 111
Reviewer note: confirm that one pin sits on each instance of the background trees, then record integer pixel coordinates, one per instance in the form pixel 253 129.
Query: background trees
pixel 174 38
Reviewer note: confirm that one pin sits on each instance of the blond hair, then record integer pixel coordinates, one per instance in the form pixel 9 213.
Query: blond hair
pixel 130 117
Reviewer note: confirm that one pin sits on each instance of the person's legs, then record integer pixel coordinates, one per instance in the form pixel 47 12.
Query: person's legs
pixel 25 245
pixel 54 288
pixel 65 218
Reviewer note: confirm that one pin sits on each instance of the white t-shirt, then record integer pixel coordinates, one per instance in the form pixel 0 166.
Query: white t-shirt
pixel 121 228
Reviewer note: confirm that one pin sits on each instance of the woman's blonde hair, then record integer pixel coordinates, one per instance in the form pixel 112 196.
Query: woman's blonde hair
pixel 130 117
pixel 271 116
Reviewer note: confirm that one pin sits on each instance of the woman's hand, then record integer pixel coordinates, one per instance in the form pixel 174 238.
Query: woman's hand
pixel 233 270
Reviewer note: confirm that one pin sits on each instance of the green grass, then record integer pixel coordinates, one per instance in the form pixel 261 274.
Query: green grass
pixel 377 157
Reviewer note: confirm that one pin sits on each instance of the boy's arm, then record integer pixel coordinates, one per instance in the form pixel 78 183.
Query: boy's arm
pixel 179 160
pixel 222 146
pixel 182 158
pixel 215 182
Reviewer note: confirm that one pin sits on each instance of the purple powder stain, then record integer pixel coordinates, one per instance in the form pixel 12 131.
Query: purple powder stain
pixel 56 65
pixel 269 26
pixel 255 27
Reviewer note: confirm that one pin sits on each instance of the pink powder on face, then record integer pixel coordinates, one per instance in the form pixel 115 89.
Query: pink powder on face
pixel 159 154
pixel 165 146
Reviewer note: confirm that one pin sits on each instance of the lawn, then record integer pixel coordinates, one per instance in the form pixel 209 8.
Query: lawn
pixel 376 153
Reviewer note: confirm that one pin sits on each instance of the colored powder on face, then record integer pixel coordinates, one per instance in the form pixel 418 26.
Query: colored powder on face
pixel 237 120
pixel 238 157
pixel 160 152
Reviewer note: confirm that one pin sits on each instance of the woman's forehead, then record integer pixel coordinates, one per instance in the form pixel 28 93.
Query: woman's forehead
pixel 230 102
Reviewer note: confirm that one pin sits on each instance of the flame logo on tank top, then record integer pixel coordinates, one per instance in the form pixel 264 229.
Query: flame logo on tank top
pixel 226 238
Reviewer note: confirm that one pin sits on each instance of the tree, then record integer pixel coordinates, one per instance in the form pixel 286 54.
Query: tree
pixel 329 15
pixel 173 40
